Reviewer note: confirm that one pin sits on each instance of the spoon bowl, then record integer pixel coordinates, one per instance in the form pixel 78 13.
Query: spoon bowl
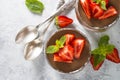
pixel 33 49
pixel 27 34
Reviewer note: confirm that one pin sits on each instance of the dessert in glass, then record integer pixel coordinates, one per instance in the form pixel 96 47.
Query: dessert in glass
pixel 97 15
pixel 73 54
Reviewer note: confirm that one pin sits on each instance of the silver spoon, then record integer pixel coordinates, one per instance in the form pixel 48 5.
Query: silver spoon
pixel 29 33
pixel 35 47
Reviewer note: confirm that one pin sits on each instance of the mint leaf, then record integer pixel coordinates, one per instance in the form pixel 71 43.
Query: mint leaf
pixel 98 59
pixel 62 40
pixel 103 50
pixel 52 49
pixel 35 6
pixel 103 5
pixel 109 48
pixel 60 43
pixel 104 40
pixel 98 1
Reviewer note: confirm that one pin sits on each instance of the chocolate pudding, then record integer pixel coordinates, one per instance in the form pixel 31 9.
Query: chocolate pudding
pixel 77 64
pixel 95 24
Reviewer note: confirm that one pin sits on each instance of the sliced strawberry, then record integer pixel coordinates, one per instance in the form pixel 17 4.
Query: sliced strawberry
pixel 92 62
pixel 114 57
pixel 69 38
pixel 111 11
pixel 86 8
pixel 97 11
pixel 91 2
pixel 63 21
pixel 78 45
pixel 106 1
pixel 66 53
pixel 57 58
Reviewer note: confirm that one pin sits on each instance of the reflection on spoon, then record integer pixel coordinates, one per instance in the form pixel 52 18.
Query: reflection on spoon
pixel 26 34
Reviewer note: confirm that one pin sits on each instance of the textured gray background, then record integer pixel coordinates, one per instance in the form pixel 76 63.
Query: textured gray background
pixel 14 16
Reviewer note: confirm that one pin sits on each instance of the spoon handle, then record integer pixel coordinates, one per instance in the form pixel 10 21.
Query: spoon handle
pixel 63 8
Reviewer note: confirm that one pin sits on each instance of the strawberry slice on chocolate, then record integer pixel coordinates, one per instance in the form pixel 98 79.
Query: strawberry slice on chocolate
pixel 69 38
pixel 57 58
pixel 78 45
pixel 96 10
pixel 63 21
pixel 111 11
pixel 66 53
pixel 86 7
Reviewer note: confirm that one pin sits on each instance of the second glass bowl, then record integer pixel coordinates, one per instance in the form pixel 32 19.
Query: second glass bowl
pixel 94 24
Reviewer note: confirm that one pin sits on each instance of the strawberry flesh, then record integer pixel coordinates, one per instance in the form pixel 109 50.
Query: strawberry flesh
pixel 66 52
pixel 114 57
pixel 69 38
pixel 63 21
pixel 96 10
pixel 85 6
pixel 78 45
pixel 92 62
pixel 57 58
pixel 111 11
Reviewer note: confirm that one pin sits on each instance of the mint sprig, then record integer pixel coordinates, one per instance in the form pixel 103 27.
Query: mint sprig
pixel 61 41
pixel 35 6
pixel 52 49
pixel 102 3
pixel 98 59
pixel 104 40
pixel 103 49
pixel 55 48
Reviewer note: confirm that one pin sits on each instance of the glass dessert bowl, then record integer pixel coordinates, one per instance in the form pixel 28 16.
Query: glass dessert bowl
pixel 61 60
pixel 92 23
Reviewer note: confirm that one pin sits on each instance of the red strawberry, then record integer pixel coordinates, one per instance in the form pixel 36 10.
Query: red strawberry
pixel 86 8
pixel 92 62
pixel 63 21
pixel 106 1
pixel 78 45
pixel 57 58
pixel 114 57
pixel 111 11
pixel 96 10
pixel 69 38
pixel 66 53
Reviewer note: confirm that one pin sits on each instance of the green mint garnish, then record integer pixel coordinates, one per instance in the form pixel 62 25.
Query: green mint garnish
pixel 103 5
pixel 98 59
pixel 34 6
pixel 104 40
pixel 52 49
pixel 62 41
pixel 103 49
pixel 55 48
